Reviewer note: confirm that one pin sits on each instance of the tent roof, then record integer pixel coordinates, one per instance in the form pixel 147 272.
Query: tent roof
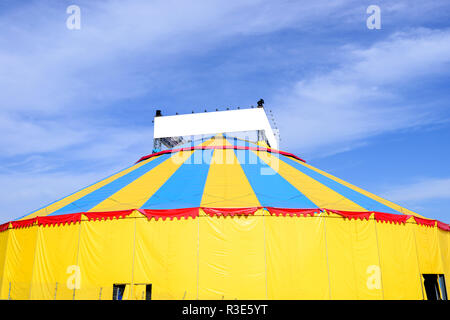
pixel 219 172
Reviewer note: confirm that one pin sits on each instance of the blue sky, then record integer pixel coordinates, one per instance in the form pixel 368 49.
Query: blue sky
pixel 369 106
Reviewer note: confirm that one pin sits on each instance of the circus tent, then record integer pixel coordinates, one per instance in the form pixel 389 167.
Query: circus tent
pixel 223 218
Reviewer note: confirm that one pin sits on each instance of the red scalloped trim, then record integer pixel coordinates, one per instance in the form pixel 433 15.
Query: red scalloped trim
pixel 292 212
pixel 391 218
pixel 170 213
pixel 107 215
pixel 23 223
pixel 443 226
pixel 194 212
pixel 58 220
pixel 4 226
pixel 425 222
pixel 220 147
pixel 352 214
pixel 230 211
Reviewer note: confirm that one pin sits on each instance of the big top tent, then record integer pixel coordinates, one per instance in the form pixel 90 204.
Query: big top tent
pixel 223 218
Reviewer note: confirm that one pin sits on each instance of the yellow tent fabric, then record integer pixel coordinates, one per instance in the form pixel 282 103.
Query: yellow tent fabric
pixel 223 242
pixel 260 256
pixel 221 220
pixel 20 261
pixel 399 262
pixel 297 267
pixel 428 252
pixel 105 256
pixel 55 253
pixel 167 257
pixel 3 256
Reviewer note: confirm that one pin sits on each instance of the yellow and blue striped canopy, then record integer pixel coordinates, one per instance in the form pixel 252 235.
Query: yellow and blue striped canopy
pixel 219 172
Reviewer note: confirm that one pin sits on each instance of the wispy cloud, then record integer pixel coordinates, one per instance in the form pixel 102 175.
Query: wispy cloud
pixel 68 100
pixel 55 82
pixel 363 97
pixel 23 193
pixel 48 68
pixel 425 189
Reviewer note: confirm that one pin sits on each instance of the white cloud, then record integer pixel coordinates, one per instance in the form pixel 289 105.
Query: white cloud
pixel 73 138
pixel 54 80
pixel 425 189
pixel 19 136
pixel 48 68
pixel 23 193
pixel 362 98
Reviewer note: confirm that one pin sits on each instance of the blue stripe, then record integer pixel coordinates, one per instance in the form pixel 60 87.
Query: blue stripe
pixel 271 189
pixel 75 192
pixel 95 197
pixel 360 199
pixel 188 144
pixel 184 189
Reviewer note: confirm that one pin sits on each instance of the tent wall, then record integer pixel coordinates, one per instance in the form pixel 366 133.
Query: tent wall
pixel 231 258
pixel 353 259
pixel 105 256
pixel 258 256
pixel 55 262
pixel 4 284
pixel 167 257
pixel 297 265
pixel 20 261
pixel 399 263
pixel 444 246
pixel 430 260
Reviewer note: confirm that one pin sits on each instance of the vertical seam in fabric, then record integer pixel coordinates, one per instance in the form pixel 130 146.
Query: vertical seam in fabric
pixel 418 264
pixel 76 260
pixel 198 254
pixel 132 264
pixel 379 259
pixel 34 261
pixel 265 254
pixel 4 262
pixel 326 253
pixel 354 234
pixel 440 251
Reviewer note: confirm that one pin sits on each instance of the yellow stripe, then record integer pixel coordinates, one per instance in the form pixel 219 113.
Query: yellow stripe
pixel 259 143
pixel 218 140
pixel 364 192
pixel 263 144
pixel 79 194
pixel 69 199
pixel 135 194
pixel 226 185
pixel 315 191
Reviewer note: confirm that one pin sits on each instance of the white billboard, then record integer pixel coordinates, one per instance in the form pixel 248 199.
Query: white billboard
pixel 215 122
